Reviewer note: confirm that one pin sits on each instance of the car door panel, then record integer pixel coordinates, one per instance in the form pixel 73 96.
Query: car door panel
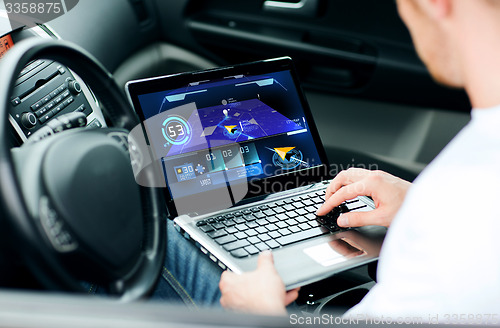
pixel 358 48
pixel 355 60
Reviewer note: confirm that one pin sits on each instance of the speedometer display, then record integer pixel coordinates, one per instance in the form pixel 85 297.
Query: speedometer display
pixel 6 43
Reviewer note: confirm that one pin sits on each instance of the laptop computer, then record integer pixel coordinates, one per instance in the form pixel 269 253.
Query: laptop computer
pixel 245 170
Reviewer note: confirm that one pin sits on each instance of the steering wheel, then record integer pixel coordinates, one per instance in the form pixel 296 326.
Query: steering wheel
pixel 72 207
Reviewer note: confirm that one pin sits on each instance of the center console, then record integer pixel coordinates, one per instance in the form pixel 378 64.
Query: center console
pixel 46 90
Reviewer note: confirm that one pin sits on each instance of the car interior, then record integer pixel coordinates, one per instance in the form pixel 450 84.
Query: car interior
pixel 63 112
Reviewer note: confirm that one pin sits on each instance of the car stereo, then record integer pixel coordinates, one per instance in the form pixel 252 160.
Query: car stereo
pixel 45 90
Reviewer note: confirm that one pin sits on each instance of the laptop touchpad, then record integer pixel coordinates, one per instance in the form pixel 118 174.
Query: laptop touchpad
pixel 334 252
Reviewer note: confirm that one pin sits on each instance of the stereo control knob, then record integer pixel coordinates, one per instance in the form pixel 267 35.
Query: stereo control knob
pixel 28 120
pixel 74 87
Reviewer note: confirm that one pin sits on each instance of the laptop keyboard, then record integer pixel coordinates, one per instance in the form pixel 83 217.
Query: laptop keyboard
pixel 274 225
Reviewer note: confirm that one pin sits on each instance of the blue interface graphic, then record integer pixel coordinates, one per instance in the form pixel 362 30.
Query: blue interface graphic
pixel 241 128
pixel 177 131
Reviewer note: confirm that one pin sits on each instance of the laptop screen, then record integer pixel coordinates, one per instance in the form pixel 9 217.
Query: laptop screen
pixel 226 135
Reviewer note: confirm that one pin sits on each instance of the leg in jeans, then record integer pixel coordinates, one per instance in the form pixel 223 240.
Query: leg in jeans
pixel 188 275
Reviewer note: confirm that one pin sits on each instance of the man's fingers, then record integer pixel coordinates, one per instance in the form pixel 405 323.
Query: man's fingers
pixel 226 275
pixel 345 178
pixel 360 219
pixel 225 279
pixel 265 260
pixel 223 301
pixel 291 296
pixel 360 188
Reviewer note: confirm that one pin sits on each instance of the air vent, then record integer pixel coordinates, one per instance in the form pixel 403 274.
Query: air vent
pixel 141 11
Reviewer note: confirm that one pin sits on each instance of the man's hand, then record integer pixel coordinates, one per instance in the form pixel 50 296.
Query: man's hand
pixel 387 191
pixel 261 291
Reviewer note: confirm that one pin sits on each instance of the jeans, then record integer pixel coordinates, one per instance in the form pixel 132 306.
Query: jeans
pixel 188 276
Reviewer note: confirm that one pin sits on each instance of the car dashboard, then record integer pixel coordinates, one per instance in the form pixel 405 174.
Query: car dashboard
pixel 46 90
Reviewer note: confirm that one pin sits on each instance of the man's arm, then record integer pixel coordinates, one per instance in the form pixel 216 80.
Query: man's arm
pixel 262 291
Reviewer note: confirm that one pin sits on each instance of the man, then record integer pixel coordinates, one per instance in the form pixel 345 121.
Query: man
pixel 440 257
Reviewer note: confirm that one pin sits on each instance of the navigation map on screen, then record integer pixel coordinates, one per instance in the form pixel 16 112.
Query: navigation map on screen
pixel 211 133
